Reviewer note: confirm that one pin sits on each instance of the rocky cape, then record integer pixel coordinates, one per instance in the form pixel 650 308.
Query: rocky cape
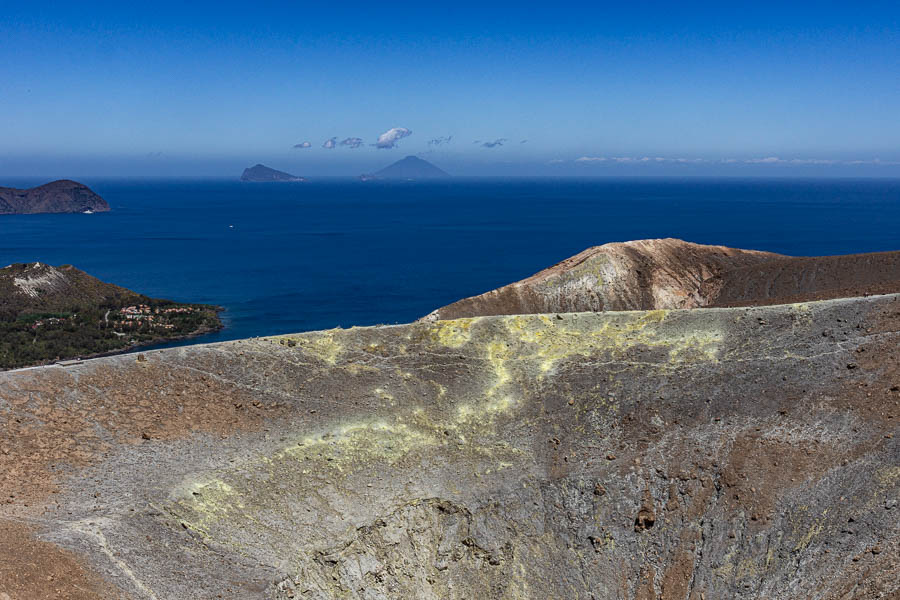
pixel 743 452
pixel 261 174
pixel 62 196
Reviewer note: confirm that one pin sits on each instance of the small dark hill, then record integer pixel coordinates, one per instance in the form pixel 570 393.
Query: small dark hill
pixel 411 167
pixel 36 287
pixel 63 196
pixel 262 173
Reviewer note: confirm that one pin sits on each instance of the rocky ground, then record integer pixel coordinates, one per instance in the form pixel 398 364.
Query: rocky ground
pixel 745 452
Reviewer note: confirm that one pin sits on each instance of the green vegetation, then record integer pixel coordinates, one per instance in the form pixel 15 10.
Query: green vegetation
pixel 37 338
pixel 55 313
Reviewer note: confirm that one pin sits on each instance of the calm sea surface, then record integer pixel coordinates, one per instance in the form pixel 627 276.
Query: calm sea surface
pixel 293 257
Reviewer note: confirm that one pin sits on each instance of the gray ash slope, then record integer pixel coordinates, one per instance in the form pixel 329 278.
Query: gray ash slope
pixel 747 452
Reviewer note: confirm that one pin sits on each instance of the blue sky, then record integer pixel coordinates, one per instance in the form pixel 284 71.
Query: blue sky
pixel 650 88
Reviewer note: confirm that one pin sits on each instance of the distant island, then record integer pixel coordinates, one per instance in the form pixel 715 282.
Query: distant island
pixel 50 313
pixel 262 173
pixel 63 196
pixel 411 167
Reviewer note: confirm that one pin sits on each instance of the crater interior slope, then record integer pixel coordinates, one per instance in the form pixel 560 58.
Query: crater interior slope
pixel 690 454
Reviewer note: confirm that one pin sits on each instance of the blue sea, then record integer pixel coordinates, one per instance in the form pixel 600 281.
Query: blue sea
pixel 289 257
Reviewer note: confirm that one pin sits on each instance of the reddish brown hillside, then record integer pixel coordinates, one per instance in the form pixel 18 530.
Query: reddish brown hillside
pixel 670 273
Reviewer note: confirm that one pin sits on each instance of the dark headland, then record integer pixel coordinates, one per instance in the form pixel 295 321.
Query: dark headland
pixel 262 173
pixel 411 167
pixel 63 196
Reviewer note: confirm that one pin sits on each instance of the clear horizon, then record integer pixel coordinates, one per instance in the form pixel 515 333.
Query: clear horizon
pixel 749 89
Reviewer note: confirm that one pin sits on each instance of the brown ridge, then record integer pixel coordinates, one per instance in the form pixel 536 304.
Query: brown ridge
pixel 671 273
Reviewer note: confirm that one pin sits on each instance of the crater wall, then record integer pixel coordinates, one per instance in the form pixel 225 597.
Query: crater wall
pixel 723 453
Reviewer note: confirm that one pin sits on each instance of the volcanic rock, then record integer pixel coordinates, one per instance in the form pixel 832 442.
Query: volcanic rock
pixel 41 288
pixel 445 460
pixel 670 273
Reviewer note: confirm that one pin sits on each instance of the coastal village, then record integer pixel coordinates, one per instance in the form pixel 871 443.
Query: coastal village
pixel 129 317
pixel 139 314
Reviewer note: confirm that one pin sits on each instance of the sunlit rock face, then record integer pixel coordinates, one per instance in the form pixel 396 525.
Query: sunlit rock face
pixel 638 275
pixel 719 453
pixel 670 274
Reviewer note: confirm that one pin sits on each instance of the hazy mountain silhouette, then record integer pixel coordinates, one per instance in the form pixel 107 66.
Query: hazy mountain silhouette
pixel 411 167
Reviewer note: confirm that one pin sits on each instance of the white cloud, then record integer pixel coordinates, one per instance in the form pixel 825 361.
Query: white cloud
pixel 640 160
pixel 874 161
pixel 330 143
pixel 812 161
pixel 440 140
pixel 303 145
pixel 389 138
pixel 353 142
pixel 766 160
